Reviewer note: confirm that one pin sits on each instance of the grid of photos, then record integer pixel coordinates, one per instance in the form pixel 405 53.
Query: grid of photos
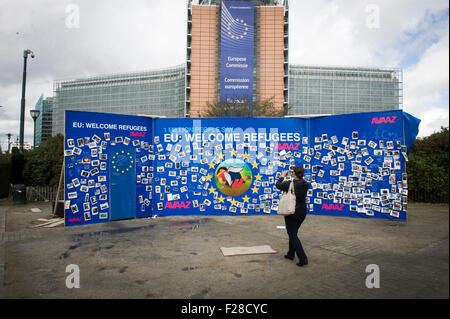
pixel 348 176
pixel 87 175
pixel 351 174
pixel 220 178
pixel 360 176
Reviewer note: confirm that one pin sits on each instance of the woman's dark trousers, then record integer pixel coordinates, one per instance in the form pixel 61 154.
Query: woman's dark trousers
pixel 293 223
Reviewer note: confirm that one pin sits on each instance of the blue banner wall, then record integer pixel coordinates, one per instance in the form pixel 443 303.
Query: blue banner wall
pixel 91 159
pixel 237 31
pixel 226 166
pixel 358 165
pixel 355 164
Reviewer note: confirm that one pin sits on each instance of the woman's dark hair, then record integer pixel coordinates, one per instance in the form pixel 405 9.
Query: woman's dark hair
pixel 299 171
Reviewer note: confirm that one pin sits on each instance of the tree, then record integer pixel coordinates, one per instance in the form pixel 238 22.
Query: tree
pixel 427 167
pixel 43 164
pixel 243 108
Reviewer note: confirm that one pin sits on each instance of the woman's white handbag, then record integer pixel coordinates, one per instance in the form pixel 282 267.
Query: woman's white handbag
pixel 287 202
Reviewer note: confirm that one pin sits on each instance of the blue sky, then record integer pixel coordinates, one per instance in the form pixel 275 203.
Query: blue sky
pixel 429 33
pixel 421 35
pixel 114 36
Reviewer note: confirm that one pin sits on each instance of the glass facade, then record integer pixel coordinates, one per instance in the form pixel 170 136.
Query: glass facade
pixel 159 92
pixel 338 90
pixel 312 90
pixel 44 121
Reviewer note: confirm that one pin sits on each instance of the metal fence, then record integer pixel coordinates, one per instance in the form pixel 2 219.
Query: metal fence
pixel 41 193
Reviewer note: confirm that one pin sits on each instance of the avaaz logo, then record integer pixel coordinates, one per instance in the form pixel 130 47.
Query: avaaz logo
pixel 384 120
pixel 288 146
pixel 175 205
pixel 333 206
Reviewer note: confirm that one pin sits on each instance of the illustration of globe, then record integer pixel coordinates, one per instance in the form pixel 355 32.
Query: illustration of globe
pixel 233 177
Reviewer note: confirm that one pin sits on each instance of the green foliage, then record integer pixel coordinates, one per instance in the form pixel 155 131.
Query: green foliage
pixel 234 108
pixel 43 164
pixel 427 167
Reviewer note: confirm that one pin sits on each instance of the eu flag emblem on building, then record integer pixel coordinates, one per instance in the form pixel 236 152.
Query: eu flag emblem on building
pixel 237 29
pixel 237 24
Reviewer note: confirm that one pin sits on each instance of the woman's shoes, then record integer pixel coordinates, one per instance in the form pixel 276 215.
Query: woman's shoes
pixel 300 263
pixel 288 257
pixel 303 262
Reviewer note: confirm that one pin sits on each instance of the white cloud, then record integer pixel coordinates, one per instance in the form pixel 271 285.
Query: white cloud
pixel 430 74
pixel 432 120
pixel 426 88
pixel 114 36
pixel 336 32
pixel 412 34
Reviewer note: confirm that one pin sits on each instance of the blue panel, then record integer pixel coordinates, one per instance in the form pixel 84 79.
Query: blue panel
pixel 355 164
pixel 122 185
pixel 411 128
pixel 249 150
pixel 89 139
pixel 364 172
pixel 237 33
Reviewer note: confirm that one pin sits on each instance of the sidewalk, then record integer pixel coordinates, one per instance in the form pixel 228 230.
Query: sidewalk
pixel 180 257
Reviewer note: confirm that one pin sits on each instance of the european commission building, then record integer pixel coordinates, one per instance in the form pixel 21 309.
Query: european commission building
pixel 234 50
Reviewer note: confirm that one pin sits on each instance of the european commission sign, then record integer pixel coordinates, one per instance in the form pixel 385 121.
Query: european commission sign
pixel 237 31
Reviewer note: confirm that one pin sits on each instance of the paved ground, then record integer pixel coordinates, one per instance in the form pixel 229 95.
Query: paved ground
pixel 180 257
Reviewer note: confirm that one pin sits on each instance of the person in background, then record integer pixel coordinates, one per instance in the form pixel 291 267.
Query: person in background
pixel 294 221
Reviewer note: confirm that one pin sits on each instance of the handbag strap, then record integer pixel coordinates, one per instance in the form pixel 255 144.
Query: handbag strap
pixel 291 187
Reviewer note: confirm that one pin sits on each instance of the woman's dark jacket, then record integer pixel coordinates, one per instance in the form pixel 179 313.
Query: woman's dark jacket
pixel 300 187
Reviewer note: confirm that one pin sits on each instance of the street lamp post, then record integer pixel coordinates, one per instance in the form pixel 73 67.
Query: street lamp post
pixel 22 107
pixel 34 115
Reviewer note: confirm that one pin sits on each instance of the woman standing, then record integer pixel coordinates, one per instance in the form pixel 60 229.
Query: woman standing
pixel 294 221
